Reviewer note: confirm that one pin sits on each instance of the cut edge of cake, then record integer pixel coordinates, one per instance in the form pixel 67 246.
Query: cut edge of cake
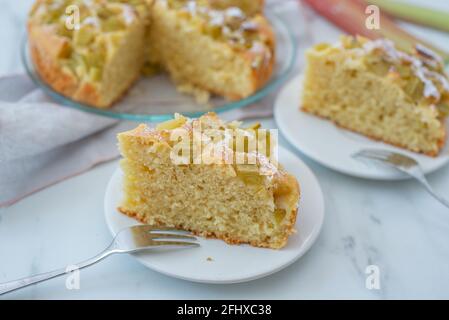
pixel 256 64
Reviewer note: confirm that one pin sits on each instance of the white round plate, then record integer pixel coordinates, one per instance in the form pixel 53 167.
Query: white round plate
pixel 332 146
pixel 230 263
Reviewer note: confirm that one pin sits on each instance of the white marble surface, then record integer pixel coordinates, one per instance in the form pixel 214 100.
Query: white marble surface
pixel 394 225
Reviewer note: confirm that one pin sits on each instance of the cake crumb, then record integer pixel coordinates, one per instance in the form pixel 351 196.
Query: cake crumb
pixel 202 97
pixel 210 259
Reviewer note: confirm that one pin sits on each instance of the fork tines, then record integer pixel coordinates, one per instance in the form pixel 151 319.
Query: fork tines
pixel 163 236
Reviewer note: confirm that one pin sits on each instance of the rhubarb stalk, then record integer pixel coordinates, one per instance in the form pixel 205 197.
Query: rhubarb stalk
pixel 351 16
pixel 416 14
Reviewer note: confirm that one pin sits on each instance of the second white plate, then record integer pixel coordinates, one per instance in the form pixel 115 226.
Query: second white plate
pixel 332 146
pixel 217 262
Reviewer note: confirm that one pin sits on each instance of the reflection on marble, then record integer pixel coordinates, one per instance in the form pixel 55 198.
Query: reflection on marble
pixel 394 225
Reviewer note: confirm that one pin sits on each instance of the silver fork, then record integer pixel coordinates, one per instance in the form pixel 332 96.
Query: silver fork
pixel 130 240
pixel 402 163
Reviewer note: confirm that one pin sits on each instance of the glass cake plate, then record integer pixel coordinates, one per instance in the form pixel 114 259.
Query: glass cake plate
pixel 154 99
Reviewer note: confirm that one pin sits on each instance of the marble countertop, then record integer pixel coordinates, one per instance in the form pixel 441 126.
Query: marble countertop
pixel 393 225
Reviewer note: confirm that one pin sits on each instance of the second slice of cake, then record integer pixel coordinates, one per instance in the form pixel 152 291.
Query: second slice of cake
pixel 374 89
pixel 239 203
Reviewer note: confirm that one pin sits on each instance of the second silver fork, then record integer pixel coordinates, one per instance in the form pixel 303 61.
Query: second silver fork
pixel 130 240
pixel 402 163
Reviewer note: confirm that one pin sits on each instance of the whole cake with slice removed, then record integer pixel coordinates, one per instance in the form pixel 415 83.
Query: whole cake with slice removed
pixel 254 203
pixel 222 47
pixel 374 89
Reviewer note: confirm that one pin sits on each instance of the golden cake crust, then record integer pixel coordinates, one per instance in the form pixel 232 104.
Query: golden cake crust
pixel 63 82
pixel 262 74
pixel 45 47
pixel 41 41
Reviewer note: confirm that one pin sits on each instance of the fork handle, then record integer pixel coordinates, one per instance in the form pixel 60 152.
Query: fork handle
pixel 433 193
pixel 25 282
pixel 421 178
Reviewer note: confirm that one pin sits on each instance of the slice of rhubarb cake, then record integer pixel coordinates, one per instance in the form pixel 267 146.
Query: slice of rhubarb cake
pixel 207 192
pixel 374 89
